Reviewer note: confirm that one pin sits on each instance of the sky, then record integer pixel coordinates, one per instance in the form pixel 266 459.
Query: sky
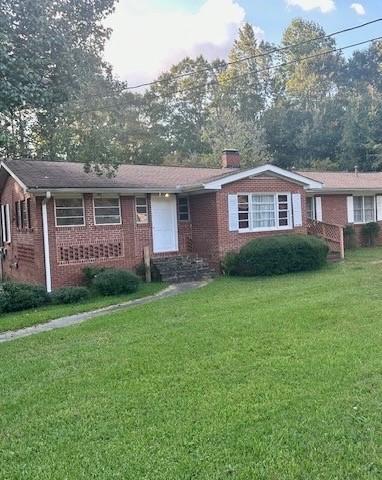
pixel 151 35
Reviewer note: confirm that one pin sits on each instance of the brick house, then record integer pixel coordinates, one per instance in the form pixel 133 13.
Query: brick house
pixel 56 218
pixel 345 199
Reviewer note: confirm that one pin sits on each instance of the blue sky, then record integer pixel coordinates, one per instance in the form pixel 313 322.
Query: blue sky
pixel 150 35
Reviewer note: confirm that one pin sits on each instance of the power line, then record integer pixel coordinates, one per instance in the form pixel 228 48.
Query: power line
pixel 272 67
pixel 270 52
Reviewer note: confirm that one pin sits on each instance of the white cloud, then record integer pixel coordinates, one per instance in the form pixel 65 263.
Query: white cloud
pixel 325 6
pixel 146 41
pixel 358 8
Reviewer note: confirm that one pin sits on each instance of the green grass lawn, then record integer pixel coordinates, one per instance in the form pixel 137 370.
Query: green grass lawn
pixel 274 379
pixel 27 318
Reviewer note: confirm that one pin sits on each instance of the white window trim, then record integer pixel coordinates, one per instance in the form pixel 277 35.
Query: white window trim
pixel 6 223
pixel 119 207
pixel 188 208
pixel 147 207
pixel 268 229
pixel 363 209
pixel 71 216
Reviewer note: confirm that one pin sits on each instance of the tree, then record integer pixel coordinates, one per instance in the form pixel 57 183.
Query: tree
pixel 243 87
pixel 225 129
pixel 47 49
pixel 309 80
pixel 177 105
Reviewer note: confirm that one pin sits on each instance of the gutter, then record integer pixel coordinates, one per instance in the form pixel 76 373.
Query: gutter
pixel 45 230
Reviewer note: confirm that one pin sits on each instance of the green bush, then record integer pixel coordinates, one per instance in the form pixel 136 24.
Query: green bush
pixel 69 295
pixel 91 272
pixel 277 255
pixel 115 282
pixel 349 237
pixel 370 233
pixel 19 296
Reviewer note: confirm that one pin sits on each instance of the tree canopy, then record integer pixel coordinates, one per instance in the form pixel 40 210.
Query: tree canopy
pixel 298 104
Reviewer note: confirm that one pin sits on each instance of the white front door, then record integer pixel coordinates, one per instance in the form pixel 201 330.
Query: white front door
pixel 165 224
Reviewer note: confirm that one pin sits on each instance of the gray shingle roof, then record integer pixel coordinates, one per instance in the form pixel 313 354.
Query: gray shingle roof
pixel 66 175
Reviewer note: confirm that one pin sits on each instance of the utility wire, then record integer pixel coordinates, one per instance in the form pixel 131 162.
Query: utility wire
pixel 264 54
pixel 272 67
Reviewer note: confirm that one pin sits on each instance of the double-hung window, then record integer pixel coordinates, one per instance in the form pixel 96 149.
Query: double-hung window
pixel 107 210
pixel 69 211
pixel 310 208
pixel 184 209
pixel 265 211
pixel 141 209
pixel 364 209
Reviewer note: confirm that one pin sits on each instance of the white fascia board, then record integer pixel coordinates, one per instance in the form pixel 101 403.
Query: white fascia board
pixel 346 191
pixel 15 177
pixel 253 172
pixel 114 190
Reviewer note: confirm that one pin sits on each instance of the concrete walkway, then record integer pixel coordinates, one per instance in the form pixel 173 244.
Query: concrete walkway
pixel 62 322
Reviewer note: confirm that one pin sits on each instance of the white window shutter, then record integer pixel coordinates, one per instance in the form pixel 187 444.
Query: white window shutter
pixel 318 201
pixel 379 208
pixel 297 210
pixel 3 224
pixel 233 213
pixel 8 222
pixel 350 206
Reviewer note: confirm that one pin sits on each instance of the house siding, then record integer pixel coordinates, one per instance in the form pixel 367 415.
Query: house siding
pixel 211 236
pixel 23 261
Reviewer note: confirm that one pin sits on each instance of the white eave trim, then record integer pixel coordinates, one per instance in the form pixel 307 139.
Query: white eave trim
pixel 15 177
pixel 346 191
pixel 253 172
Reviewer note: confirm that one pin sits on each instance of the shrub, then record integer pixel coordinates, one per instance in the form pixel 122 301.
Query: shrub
pixel 277 255
pixel 19 296
pixel 370 233
pixel 115 282
pixel 349 237
pixel 91 272
pixel 69 295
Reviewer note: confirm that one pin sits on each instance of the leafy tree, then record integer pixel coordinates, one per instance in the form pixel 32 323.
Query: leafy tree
pixel 308 81
pixel 247 85
pixel 47 49
pixel 225 129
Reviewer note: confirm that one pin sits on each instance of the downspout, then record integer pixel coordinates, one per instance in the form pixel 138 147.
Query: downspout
pixel 45 231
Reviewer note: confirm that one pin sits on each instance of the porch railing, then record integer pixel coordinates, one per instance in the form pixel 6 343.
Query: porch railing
pixel 333 235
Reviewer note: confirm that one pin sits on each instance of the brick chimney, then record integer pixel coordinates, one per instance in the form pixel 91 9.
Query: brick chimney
pixel 231 158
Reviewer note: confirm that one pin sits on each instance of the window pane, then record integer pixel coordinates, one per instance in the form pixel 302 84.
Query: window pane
pixel 69 202
pixel 141 210
pixel 69 212
pixel 109 219
pixel 70 221
pixel 263 211
pixel 107 211
pixel 184 213
pixel 106 202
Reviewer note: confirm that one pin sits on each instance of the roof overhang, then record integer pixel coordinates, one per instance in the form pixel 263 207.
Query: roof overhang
pixel 4 167
pixel 346 191
pixel 272 170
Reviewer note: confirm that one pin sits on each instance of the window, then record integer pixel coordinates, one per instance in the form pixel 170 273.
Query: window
pixel 364 209
pixel 69 211
pixel 264 211
pixel 310 208
pixel 107 210
pixel 17 214
pixel 141 209
pixel 6 223
pixel 29 213
pixel 184 209
pixel 24 214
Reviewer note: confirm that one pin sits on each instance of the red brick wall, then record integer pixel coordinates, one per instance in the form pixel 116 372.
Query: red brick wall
pixel 131 236
pixel 211 236
pixel 334 209
pixel 23 261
